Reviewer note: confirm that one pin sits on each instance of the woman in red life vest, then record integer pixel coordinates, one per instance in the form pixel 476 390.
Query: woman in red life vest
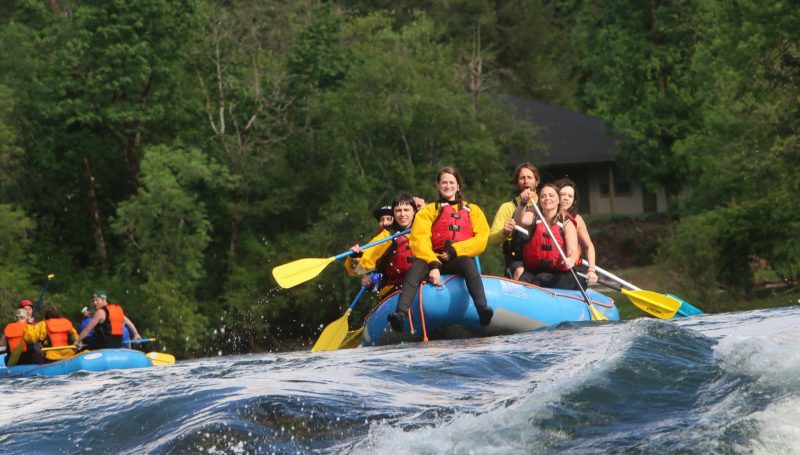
pixel 446 236
pixel 14 335
pixel 570 203
pixel 54 331
pixel 542 262
pixel 391 259
pixel 107 323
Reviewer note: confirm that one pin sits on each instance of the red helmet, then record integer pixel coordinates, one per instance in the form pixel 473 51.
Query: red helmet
pixel 25 303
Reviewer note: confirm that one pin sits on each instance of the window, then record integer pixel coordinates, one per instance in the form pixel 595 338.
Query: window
pixel 621 188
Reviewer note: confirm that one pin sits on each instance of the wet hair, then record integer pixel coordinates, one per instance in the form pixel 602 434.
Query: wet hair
pixel 404 199
pixel 529 166
pixel 559 211
pixel 564 182
pixel 454 172
pixel 51 312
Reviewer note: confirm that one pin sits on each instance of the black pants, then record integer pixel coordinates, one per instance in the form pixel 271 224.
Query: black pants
pixel 549 279
pixel 107 342
pixel 463 266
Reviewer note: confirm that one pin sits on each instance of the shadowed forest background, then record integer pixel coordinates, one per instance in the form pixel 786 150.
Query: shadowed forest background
pixel 172 152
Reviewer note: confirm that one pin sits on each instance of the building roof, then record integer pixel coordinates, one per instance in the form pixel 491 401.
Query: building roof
pixel 569 137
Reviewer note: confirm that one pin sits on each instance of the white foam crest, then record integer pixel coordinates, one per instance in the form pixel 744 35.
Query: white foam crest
pixel 511 429
pixel 779 429
pixel 771 356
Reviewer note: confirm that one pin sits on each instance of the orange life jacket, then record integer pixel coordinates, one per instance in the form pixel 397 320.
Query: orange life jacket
pixel 58 330
pixel 13 333
pixel 451 225
pixel 116 317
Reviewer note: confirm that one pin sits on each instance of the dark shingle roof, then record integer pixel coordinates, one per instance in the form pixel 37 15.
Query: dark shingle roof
pixel 568 137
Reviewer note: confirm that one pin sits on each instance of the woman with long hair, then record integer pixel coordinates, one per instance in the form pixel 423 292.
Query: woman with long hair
pixel 543 264
pixel 570 202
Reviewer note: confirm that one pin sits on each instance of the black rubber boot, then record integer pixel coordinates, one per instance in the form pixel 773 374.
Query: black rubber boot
pixel 485 314
pixel 397 320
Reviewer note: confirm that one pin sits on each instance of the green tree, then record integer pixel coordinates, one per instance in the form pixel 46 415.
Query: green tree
pixel 636 77
pixel 745 152
pixel 15 263
pixel 167 227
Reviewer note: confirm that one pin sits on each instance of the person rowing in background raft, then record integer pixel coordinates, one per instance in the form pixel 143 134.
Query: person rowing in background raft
pixel 14 334
pixel 445 237
pixel 542 262
pixel 27 305
pixel 54 331
pixel 391 259
pixel 107 323
pixel 570 203
pixel 502 232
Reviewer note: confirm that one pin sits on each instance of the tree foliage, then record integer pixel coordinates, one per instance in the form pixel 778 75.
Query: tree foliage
pixel 173 152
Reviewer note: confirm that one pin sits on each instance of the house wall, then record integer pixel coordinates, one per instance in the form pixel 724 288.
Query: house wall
pixel 592 181
pixel 629 197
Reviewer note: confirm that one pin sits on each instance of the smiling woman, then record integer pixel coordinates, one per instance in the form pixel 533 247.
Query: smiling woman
pixel 446 236
pixel 543 265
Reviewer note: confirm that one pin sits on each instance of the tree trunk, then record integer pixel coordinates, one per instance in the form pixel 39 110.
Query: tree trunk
pixel 94 213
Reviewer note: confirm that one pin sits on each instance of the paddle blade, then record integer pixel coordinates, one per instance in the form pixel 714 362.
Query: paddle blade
pixel 353 339
pixel 686 309
pixel 659 305
pixel 333 335
pixel 300 271
pixel 596 314
pixel 13 356
pixel 161 358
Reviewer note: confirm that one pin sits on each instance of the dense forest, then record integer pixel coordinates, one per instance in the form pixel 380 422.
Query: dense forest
pixel 171 152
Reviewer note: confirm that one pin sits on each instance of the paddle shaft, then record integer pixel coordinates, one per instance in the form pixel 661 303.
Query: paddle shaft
pixel 347 253
pixel 613 286
pixel 611 276
pixel 72 346
pixel 563 256
pixel 41 295
pixel 355 300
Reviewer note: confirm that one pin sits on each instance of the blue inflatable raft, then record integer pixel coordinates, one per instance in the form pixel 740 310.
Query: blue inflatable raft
pixel 100 360
pixel 450 314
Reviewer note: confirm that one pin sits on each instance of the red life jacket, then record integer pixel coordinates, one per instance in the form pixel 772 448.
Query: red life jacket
pixel 116 317
pixel 13 333
pixel 450 225
pixel 396 262
pixel 539 253
pixel 58 330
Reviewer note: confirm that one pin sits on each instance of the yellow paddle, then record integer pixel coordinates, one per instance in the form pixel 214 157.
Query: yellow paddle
pixel 332 336
pixel 58 348
pixel 161 358
pixel 353 339
pixel 293 273
pixel 13 356
pixel 659 305
pixel 685 309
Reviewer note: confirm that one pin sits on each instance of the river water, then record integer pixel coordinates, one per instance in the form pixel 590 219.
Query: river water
pixel 726 383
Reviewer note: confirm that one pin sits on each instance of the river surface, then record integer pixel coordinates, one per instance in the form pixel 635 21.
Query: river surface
pixel 726 383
